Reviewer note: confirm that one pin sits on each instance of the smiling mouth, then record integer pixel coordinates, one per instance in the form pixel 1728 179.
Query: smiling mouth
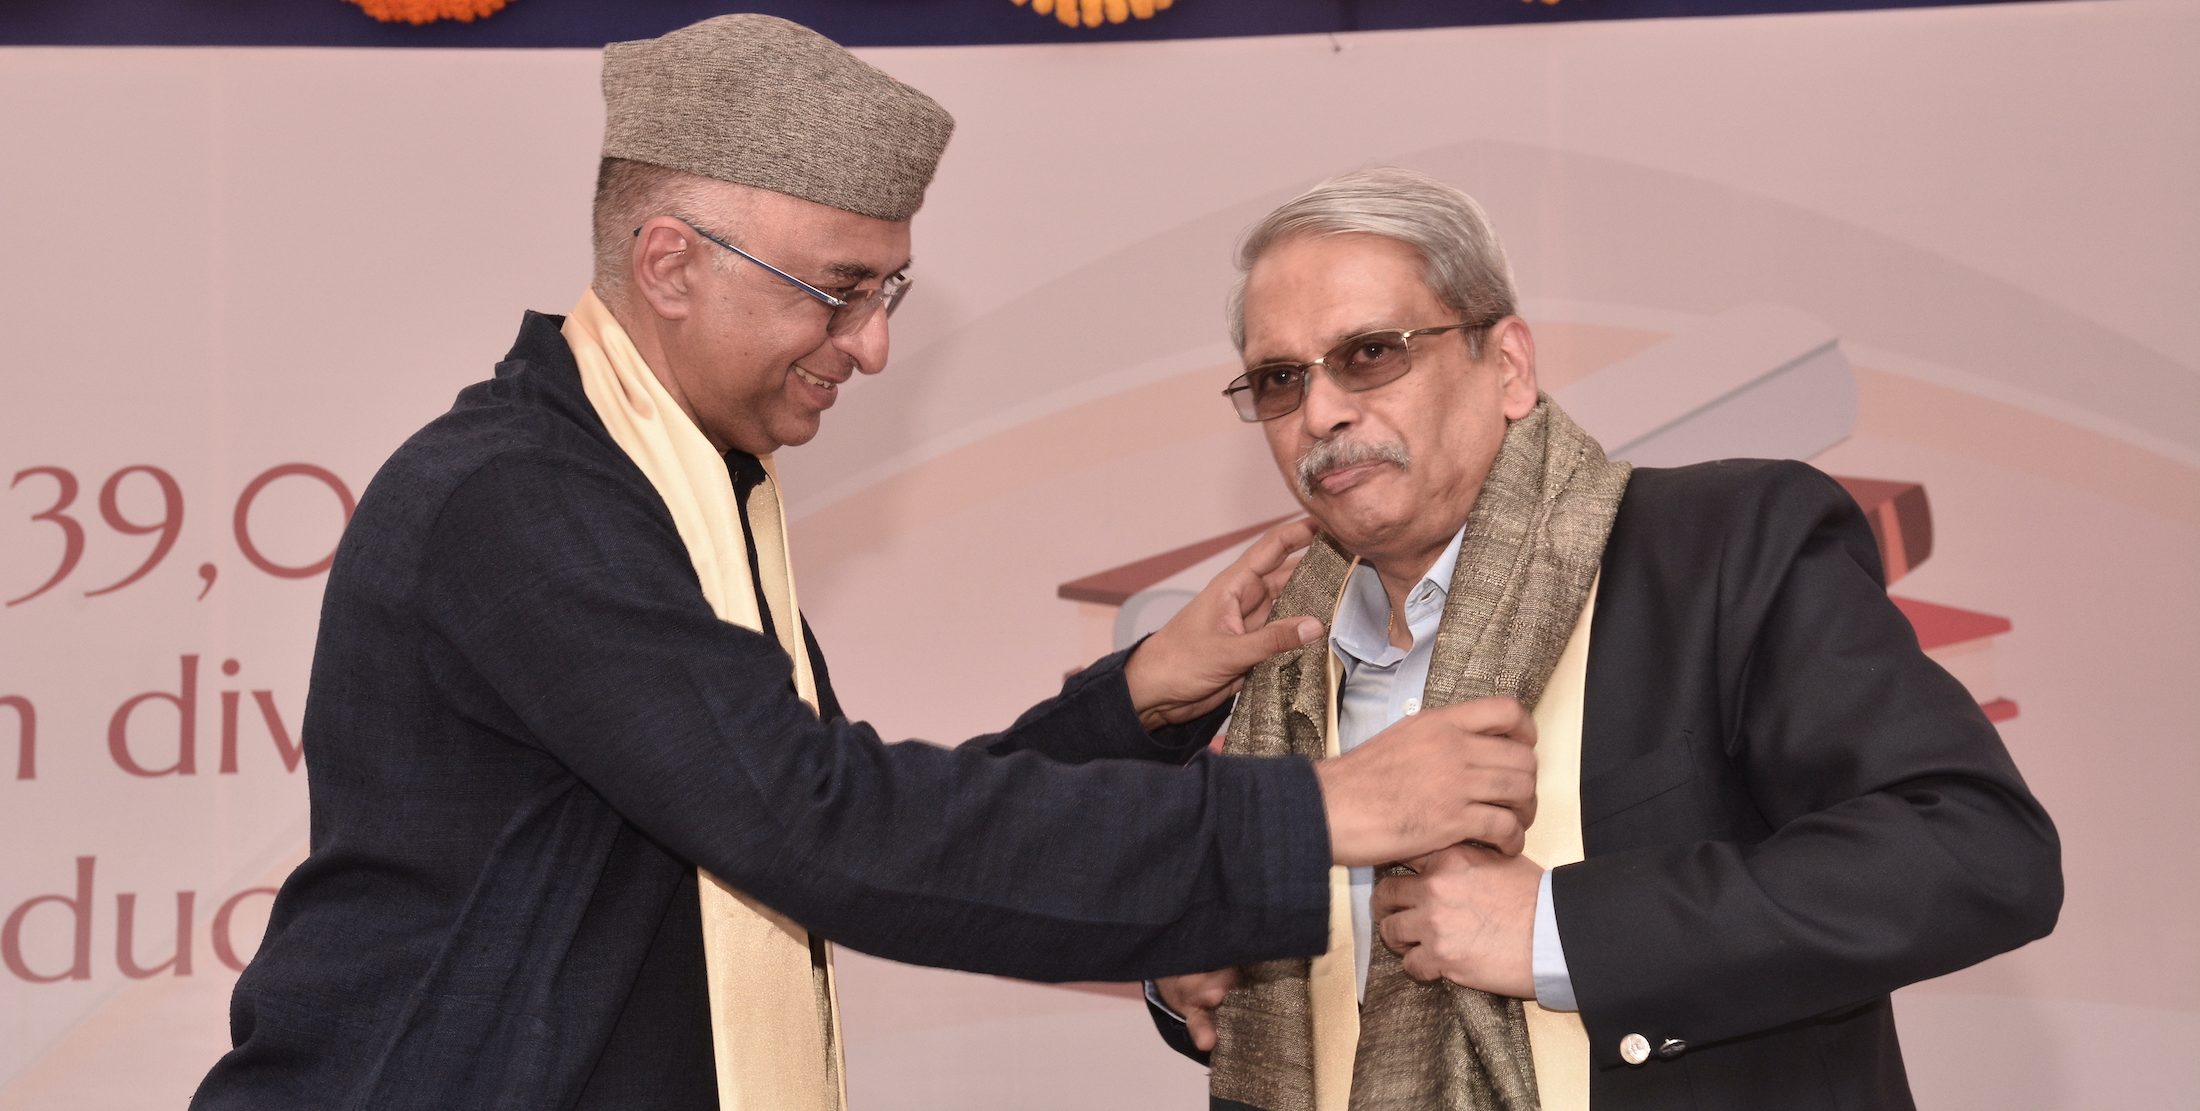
pixel 814 380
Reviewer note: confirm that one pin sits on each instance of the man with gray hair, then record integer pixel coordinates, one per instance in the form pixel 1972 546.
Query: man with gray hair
pixel 584 806
pixel 1760 808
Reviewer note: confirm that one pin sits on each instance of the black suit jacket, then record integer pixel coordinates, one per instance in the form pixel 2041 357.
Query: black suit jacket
pixel 1788 811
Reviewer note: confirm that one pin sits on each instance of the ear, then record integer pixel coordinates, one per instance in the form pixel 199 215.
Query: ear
pixel 1513 347
pixel 663 265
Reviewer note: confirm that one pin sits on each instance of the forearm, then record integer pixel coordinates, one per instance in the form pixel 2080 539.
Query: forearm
pixel 1020 866
pixel 1093 718
pixel 1006 863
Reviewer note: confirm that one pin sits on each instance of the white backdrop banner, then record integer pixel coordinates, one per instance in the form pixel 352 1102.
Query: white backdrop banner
pixel 1950 251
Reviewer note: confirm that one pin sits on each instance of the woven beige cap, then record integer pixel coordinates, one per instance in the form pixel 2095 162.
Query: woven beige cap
pixel 760 101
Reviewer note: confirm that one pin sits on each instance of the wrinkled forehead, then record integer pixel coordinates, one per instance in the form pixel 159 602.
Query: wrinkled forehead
pixel 1307 294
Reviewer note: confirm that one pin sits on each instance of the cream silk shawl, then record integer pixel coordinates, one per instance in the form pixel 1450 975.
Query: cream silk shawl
pixel 775 1025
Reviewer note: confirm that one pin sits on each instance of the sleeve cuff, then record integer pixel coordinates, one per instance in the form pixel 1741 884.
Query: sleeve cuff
pixel 1554 987
pixel 1153 999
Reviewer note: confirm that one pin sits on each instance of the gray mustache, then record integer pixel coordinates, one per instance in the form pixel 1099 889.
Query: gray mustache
pixel 1330 455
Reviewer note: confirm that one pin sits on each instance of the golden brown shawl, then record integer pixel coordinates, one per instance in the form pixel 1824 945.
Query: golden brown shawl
pixel 1533 544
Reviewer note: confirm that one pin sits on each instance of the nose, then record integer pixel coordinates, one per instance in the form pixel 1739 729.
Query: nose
pixel 867 345
pixel 1328 408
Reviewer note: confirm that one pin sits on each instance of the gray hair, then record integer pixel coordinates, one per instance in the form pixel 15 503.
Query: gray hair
pixel 628 193
pixel 1463 262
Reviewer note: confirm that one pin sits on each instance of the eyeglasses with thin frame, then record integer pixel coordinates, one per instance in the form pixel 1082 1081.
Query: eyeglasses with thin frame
pixel 850 313
pixel 1363 362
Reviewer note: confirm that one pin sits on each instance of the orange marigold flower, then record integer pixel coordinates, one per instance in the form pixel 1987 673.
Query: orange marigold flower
pixel 417 12
pixel 1091 13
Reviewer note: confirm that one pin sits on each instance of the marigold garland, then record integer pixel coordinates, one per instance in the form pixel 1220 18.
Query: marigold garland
pixel 1090 13
pixel 417 12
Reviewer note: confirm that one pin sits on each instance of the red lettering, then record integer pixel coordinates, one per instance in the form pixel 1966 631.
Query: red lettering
pixel 225 949
pixel 26 735
pixel 291 753
pixel 289 750
pixel 229 733
pixel 187 714
pixel 126 926
pixel 80 962
pixel 241 522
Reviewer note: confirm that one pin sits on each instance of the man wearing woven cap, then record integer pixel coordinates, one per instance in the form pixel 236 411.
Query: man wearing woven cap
pixel 1760 808
pixel 581 791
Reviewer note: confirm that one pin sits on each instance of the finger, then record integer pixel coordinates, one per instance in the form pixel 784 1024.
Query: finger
pixel 1499 716
pixel 1428 862
pixel 1500 756
pixel 1249 597
pixel 1271 638
pixel 1273 582
pixel 1396 894
pixel 1401 932
pixel 1257 600
pixel 1180 993
pixel 1524 731
pixel 1253 586
pixel 1421 964
pixel 1208 993
pixel 1475 854
pixel 1243 600
pixel 1196 989
pixel 1498 785
pixel 1268 552
pixel 1498 827
pixel 1524 809
pixel 1200 1024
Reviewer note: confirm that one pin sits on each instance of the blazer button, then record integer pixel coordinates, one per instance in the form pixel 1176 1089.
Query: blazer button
pixel 1671 1048
pixel 1634 1049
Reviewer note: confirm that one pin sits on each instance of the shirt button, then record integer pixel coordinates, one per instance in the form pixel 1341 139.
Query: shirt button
pixel 1634 1049
pixel 1413 706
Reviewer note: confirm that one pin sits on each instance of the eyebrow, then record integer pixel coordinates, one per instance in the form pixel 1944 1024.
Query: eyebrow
pixel 853 273
pixel 1340 337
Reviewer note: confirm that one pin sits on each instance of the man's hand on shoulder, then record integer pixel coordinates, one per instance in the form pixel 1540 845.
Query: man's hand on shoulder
pixel 1201 656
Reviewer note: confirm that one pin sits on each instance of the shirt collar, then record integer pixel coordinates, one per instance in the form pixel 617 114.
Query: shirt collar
pixel 1361 630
